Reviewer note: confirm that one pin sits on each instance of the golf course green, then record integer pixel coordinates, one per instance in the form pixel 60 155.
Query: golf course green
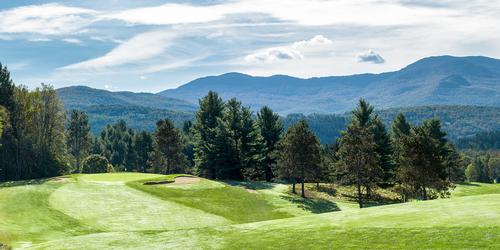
pixel 146 211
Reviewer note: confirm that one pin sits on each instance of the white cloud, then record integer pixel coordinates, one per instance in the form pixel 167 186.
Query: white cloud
pixel 39 39
pixel 371 57
pixel 140 47
pixel 274 54
pixel 143 77
pixel 72 40
pixel 47 19
pixel 170 14
pixel 318 40
pixel 297 50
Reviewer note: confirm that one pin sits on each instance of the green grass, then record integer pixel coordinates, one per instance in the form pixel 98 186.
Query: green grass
pixel 233 203
pixel 475 188
pixel 116 211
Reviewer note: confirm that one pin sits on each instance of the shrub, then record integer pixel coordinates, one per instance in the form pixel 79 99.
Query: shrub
pixel 95 164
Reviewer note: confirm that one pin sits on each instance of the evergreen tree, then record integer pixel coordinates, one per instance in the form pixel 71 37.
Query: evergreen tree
pixel 423 160
pixel 365 121
pixel 358 159
pixel 205 128
pixel 116 143
pixel 384 149
pixel 143 146
pixel 271 129
pixel 299 154
pixel 131 156
pixel 400 127
pixel 251 148
pixel 169 146
pixel 454 164
pixel 79 139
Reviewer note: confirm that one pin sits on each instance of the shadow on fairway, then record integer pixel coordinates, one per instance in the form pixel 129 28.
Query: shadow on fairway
pixel 470 184
pixel 257 185
pixel 24 183
pixel 316 206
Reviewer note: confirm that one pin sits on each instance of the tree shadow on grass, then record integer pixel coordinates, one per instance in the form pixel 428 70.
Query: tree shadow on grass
pixel 23 183
pixel 256 185
pixel 469 184
pixel 316 206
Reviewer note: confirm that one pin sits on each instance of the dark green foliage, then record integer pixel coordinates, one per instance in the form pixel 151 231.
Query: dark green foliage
pixel 78 139
pixel 137 117
pixel 205 128
pixel 326 126
pixel 358 160
pixel 143 146
pixel 489 140
pixel 34 140
pixel 360 150
pixel 384 149
pixel 271 128
pixel 299 155
pixel 457 121
pixel 168 147
pixel 423 165
pixel 116 144
pixel 482 166
pixel 95 164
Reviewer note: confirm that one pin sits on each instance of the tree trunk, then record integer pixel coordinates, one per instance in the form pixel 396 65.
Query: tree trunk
pixel 424 192
pixel 293 187
pixel 302 187
pixel 317 185
pixel 360 200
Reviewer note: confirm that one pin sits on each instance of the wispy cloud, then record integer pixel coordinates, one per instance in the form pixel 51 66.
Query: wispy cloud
pixel 47 19
pixel 141 47
pixel 72 40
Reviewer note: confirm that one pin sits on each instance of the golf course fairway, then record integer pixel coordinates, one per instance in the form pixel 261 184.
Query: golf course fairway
pixel 120 211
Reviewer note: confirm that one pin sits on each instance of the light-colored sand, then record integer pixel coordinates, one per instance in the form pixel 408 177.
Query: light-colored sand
pixel 186 180
pixel 252 191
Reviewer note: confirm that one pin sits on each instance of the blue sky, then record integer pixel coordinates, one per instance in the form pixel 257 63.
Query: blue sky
pixel 152 45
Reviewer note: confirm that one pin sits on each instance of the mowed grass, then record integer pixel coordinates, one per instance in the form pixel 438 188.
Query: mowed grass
pixel 116 211
pixel 233 203
pixel 463 223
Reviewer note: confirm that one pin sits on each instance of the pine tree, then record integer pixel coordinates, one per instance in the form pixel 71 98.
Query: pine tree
pixel 358 159
pixel 205 128
pixel 384 149
pixel 299 154
pixel 79 139
pixel 423 161
pixel 271 129
pixel 169 146
pixel 365 121
pixel 143 146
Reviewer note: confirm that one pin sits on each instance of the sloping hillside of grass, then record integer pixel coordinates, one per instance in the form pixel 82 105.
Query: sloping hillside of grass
pixel 465 222
pixel 117 211
pixel 110 203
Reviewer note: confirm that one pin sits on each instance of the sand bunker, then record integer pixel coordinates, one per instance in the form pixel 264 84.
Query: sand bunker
pixel 61 179
pixel 252 191
pixel 186 180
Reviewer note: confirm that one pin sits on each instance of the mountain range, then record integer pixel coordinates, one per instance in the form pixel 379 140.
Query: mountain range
pixel 464 92
pixel 439 80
